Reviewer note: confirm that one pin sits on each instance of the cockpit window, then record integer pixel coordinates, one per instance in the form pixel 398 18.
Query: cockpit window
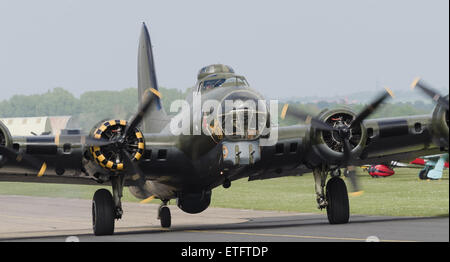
pixel 210 84
pixel 234 81
pixel 222 82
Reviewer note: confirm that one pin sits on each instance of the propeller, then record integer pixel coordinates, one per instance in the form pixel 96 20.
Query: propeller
pixel 431 92
pixel 151 98
pixel 307 118
pixel 31 161
pixel 369 109
pixel 343 132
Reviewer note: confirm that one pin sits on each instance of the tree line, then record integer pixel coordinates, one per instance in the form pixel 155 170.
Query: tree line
pixel 93 106
pixel 87 110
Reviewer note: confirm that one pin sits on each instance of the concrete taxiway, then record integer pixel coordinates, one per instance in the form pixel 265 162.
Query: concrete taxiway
pixel 25 218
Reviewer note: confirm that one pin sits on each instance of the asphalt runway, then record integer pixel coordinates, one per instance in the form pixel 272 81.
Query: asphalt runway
pixel 55 219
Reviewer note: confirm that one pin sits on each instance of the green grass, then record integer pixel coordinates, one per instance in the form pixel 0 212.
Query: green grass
pixel 400 195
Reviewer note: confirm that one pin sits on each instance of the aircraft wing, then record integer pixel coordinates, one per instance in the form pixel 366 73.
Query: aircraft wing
pixel 433 157
pixel 46 159
pixel 339 138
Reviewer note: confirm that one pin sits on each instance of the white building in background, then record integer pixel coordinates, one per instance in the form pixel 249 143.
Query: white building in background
pixel 28 126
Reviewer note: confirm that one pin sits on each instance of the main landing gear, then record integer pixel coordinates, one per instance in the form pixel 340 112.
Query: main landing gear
pixel 103 215
pixel 106 208
pixel 335 200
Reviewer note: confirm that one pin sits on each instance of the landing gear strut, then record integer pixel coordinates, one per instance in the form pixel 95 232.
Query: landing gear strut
pixel 164 215
pixel 336 198
pixel 107 207
pixel 320 176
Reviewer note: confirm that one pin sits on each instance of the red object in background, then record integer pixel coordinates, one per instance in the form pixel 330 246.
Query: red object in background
pixel 380 170
pixel 420 161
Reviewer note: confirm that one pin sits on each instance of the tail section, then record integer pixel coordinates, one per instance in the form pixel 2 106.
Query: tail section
pixel 156 118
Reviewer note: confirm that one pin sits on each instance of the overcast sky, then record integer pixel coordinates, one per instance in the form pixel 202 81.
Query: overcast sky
pixel 284 48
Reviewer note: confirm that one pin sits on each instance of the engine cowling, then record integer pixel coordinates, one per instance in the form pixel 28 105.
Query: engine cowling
pixel 440 126
pixel 111 157
pixel 5 136
pixel 326 144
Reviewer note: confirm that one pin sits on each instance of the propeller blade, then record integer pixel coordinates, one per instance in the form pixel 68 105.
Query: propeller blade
pixel 133 170
pixel 347 152
pixel 27 159
pixel 130 167
pixel 369 109
pixel 137 118
pixel 351 174
pixel 350 170
pixel 307 118
pixel 431 92
pixel 147 200
pixel 8 153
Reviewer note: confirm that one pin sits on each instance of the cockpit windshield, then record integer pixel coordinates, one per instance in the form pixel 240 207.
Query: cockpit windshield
pixel 210 84
pixel 222 82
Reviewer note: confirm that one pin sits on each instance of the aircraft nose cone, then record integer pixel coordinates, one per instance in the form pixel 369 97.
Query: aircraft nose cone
pixel 244 115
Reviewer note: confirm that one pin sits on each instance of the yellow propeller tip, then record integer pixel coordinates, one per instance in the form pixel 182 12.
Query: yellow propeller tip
pixel 414 83
pixel 156 92
pixel 284 110
pixel 149 199
pixel 42 170
pixel 390 92
pixel 356 194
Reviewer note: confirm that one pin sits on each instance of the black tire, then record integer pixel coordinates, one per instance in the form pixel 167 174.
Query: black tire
pixel 423 174
pixel 338 208
pixel 103 214
pixel 165 217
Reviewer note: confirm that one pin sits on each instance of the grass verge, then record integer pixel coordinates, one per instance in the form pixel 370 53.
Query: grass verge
pixel 400 195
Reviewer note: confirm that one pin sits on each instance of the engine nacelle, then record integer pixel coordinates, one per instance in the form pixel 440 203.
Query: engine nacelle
pixel 111 157
pixel 327 146
pixel 440 126
pixel 5 136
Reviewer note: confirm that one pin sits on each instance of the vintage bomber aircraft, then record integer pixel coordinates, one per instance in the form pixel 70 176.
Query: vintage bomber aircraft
pixel 144 155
